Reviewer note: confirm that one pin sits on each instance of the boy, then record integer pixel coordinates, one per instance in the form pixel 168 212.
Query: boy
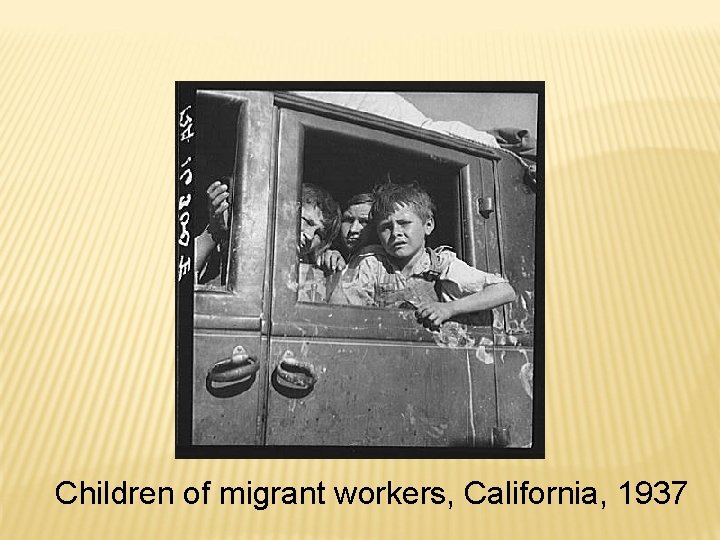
pixel 402 272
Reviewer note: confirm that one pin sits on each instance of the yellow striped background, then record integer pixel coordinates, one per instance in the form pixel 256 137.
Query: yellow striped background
pixel 87 236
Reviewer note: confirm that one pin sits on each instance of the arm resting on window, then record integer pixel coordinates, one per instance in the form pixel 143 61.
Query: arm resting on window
pixel 490 297
pixel 493 295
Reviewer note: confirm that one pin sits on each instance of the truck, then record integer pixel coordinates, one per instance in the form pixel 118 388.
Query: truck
pixel 343 377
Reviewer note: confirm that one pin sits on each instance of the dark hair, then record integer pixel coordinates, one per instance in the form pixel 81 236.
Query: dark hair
pixel 317 196
pixel 388 197
pixel 360 198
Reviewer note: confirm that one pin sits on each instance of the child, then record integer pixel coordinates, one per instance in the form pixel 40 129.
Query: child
pixel 211 244
pixel 319 222
pixel 355 219
pixel 319 225
pixel 402 272
pixel 354 234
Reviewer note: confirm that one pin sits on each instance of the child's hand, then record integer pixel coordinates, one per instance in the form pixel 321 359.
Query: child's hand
pixel 433 314
pixel 218 206
pixel 330 261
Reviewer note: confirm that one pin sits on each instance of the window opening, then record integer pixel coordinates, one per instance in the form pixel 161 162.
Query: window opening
pixel 344 168
pixel 216 142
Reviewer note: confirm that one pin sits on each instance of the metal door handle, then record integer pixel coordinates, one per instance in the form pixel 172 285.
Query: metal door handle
pixel 237 368
pixel 485 206
pixel 295 374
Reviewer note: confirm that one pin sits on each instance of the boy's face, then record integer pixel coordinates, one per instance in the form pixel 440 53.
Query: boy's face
pixel 402 233
pixel 311 228
pixel 353 226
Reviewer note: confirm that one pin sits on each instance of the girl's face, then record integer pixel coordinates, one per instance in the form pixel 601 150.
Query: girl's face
pixel 311 229
pixel 353 226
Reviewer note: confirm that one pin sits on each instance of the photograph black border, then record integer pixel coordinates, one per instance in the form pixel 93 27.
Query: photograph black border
pixel 184 288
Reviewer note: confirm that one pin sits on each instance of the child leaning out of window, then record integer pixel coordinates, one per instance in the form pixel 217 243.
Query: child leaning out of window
pixel 402 273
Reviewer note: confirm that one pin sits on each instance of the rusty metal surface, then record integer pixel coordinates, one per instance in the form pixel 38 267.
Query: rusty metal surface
pixel 353 322
pixel 517 215
pixel 225 413
pixel 383 394
pixel 489 224
pixel 514 373
pixel 251 153
pixel 410 132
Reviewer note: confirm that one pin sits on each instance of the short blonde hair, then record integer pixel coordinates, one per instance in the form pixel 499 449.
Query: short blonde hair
pixel 388 197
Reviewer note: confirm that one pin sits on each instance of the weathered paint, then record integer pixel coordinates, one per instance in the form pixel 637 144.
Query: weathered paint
pixel 250 154
pixel 514 387
pixel 384 394
pixel 453 334
pixel 484 354
pixel 526 378
pixel 225 413
pixel 517 214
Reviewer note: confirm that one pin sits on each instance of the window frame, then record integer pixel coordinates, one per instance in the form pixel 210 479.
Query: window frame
pixel 297 319
pixel 239 304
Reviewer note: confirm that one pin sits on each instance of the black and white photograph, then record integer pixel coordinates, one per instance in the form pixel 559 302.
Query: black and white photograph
pixel 360 269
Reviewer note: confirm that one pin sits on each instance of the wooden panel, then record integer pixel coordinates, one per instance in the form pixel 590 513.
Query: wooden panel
pixel 228 414
pixel 384 395
pixel 513 369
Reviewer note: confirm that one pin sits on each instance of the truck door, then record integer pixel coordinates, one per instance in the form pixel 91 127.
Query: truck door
pixel 348 375
pixel 516 217
pixel 233 143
